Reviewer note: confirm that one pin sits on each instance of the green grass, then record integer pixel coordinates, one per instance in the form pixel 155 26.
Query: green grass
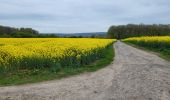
pixel 161 52
pixel 17 77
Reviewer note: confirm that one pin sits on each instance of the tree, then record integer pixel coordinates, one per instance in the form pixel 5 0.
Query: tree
pixel 133 30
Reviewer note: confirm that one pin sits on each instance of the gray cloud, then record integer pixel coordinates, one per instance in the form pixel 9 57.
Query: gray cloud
pixel 81 15
pixel 28 16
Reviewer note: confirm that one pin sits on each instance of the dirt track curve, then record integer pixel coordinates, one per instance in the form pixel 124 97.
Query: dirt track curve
pixel 134 75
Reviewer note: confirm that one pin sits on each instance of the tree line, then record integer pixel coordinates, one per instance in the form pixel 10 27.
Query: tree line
pixel 11 32
pixel 137 30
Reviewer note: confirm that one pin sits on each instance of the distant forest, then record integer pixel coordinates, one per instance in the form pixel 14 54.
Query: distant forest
pixel 118 32
pixel 7 32
pixel 134 30
pixel 11 32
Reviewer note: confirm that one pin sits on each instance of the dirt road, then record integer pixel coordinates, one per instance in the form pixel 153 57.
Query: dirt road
pixel 134 75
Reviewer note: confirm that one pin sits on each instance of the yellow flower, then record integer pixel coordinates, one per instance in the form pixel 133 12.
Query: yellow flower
pixel 20 50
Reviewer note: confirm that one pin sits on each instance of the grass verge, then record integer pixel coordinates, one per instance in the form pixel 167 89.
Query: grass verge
pixel 161 52
pixel 39 75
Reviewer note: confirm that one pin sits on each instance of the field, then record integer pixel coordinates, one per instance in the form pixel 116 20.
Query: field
pixel 20 57
pixel 160 44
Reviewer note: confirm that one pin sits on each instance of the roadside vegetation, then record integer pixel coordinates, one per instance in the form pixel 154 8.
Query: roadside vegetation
pixel 34 60
pixel 159 44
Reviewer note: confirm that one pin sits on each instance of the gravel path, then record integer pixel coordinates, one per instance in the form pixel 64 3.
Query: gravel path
pixel 134 75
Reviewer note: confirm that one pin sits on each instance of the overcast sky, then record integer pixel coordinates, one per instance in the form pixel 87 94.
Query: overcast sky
pixel 70 16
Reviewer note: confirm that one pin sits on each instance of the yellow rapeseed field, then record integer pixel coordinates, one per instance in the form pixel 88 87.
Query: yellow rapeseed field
pixel 47 52
pixel 151 41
